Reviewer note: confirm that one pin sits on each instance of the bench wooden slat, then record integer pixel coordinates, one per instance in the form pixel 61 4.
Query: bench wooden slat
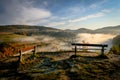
pixel 88 49
pixel 93 45
pixel 96 45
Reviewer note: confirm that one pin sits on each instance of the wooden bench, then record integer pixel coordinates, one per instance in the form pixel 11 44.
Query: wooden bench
pixel 93 45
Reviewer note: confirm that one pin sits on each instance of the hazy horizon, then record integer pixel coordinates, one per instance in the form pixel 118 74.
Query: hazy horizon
pixel 60 28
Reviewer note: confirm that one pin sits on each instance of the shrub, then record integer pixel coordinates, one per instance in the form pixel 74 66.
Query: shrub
pixel 115 49
pixel 116 45
pixel 10 48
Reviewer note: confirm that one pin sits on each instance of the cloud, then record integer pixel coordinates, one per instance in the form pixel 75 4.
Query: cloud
pixel 73 23
pixel 69 23
pixel 106 10
pixel 76 9
pixel 23 12
pixel 53 24
pixel 33 14
pixel 97 4
pixel 45 3
pixel 87 17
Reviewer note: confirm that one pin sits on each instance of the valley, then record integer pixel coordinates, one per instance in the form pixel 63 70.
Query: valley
pixel 53 60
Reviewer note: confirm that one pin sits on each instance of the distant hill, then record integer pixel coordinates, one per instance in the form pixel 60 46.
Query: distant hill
pixel 53 32
pixel 106 30
pixel 36 30
pixel 111 30
pixel 15 28
pixel 81 30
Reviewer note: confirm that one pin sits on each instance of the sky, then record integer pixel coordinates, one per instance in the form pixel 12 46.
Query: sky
pixel 61 14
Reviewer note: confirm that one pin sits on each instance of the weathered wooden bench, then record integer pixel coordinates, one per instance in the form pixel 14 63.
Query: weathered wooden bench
pixel 93 45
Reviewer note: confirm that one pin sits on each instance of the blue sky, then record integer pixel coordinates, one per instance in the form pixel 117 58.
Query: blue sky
pixel 62 14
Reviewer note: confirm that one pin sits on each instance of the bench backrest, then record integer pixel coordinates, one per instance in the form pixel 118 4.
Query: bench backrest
pixel 96 45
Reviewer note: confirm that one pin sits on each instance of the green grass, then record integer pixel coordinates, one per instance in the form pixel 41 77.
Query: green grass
pixel 8 37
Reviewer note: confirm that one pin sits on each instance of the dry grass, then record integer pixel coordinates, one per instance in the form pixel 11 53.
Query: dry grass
pixel 44 66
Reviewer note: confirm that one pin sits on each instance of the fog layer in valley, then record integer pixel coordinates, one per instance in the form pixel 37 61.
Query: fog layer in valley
pixel 95 38
pixel 48 43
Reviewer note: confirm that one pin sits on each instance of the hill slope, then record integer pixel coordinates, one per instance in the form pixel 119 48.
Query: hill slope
pixel 42 30
pixel 106 30
pixel 36 30
pixel 112 30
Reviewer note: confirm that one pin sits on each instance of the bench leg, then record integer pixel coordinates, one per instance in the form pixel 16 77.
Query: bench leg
pixel 75 50
pixel 102 50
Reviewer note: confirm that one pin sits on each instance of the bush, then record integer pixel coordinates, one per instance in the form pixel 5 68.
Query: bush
pixel 115 49
pixel 116 45
pixel 10 48
pixel 6 49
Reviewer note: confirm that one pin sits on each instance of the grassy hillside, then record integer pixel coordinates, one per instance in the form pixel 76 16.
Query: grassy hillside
pixel 116 40
pixel 8 37
pixel 36 30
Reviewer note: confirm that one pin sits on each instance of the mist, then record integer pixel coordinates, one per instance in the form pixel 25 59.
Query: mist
pixel 25 39
pixel 95 39
pixel 54 44
pixel 47 43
